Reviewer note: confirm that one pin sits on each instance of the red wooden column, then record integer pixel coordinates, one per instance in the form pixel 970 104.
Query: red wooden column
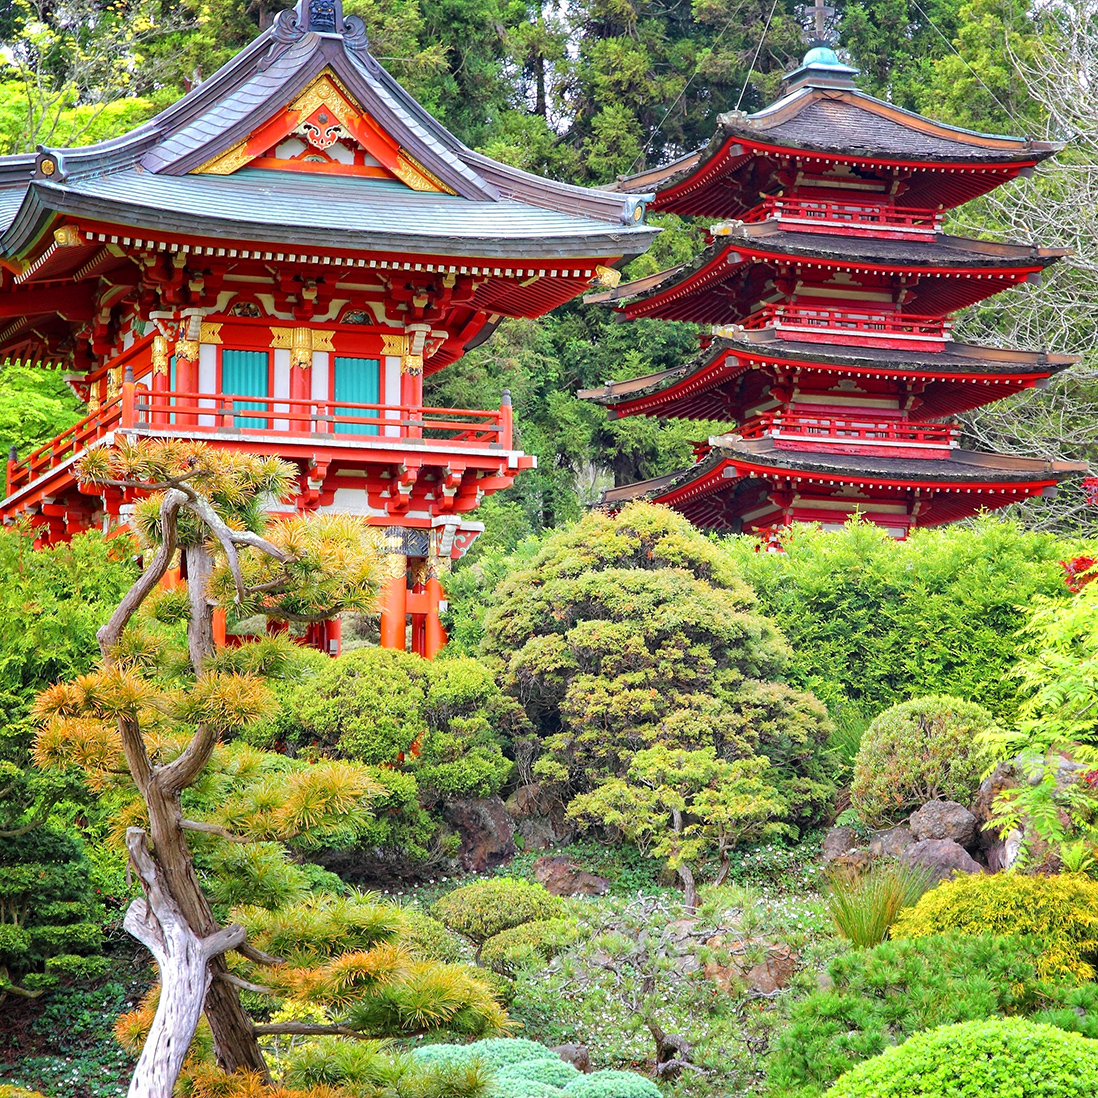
pixel 161 381
pixel 434 635
pixel 394 593
pixel 186 380
pixel 411 388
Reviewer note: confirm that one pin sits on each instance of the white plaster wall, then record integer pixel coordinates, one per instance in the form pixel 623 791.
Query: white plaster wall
pixel 207 379
pixel 281 385
pixel 390 390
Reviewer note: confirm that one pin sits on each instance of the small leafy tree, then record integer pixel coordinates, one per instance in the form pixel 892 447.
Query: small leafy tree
pixel 120 718
pixel 683 805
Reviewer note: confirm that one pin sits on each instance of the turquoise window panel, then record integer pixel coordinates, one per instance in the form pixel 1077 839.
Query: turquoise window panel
pixel 357 381
pixel 246 373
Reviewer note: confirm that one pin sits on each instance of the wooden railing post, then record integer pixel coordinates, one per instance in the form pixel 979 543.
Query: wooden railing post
pixel 13 457
pixel 129 399
pixel 506 420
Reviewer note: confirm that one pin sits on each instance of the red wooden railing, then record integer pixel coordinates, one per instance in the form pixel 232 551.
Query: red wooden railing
pixel 816 324
pixel 851 431
pixel 265 417
pixel 817 215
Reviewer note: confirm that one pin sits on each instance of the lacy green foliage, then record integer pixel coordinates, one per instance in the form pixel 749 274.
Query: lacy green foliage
pixel 874 621
pixel 483 909
pixel 50 923
pixel 612 1084
pixel 879 997
pixel 863 908
pixel 445 721
pixel 917 751
pixel 1059 911
pixel 996 1058
pixel 628 631
pixel 682 805
pixel 52 601
pixel 35 404
pixel 369 1069
pixel 526 945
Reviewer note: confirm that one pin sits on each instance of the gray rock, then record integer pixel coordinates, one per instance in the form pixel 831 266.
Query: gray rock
pixel 944 820
pixel 943 857
pixel 891 843
pixel 838 841
pixel 576 1055
pixel 1002 777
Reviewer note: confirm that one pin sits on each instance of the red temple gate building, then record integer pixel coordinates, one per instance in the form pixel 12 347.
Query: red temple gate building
pixel 274 264
pixel 829 288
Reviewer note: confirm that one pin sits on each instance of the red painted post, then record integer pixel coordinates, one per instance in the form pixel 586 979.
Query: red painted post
pixel 161 381
pixel 13 457
pixel 129 399
pixel 186 379
pixel 506 421
pixel 434 634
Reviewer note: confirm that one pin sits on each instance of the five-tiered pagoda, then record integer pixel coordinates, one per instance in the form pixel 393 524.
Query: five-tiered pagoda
pixel 273 264
pixel 829 289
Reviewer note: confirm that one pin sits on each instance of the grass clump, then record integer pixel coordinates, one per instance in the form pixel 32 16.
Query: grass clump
pixel 864 908
pixel 1007 1057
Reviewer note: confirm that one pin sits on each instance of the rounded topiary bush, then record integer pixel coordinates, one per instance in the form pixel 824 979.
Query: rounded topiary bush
pixel 996 1058
pixel 485 908
pixel 428 940
pixel 918 751
pixel 551 1070
pixel 1060 911
pixel 530 943
pixel 612 1084
pixel 523 1088
pixel 492 1052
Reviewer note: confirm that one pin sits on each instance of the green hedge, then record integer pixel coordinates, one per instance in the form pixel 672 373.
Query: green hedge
pixel 996 1058
pixel 483 909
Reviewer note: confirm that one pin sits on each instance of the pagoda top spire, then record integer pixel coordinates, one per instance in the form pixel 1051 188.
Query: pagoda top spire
pixel 821 67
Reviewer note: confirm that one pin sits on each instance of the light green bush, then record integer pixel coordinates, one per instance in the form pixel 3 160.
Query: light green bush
pixel 527 944
pixel 524 1088
pixel 483 909
pixel 551 1070
pixel 1060 911
pixel 612 1084
pixel 428 940
pixel 917 751
pixel 995 1058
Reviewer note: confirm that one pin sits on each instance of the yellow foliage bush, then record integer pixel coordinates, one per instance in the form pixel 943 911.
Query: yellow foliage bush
pixel 1060 911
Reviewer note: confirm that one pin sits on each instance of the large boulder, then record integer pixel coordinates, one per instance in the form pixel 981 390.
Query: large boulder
pixel 564 878
pixel 540 821
pixel 890 843
pixel 487 833
pixel 837 842
pixel 944 820
pixel 771 972
pixel 943 857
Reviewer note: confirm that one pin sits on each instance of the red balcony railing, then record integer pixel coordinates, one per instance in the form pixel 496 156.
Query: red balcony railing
pixel 267 417
pixel 800 214
pixel 857 327
pixel 851 434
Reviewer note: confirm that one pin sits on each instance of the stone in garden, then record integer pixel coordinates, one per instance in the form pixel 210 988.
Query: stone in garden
pixel 564 878
pixel 850 866
pixel 487 833
pixel 576 1055
pixel 943 856
pixel 770 974
pixel 837 842
pixel 1002 777
pixel 944 820
pixel 890 843
pixel 540 821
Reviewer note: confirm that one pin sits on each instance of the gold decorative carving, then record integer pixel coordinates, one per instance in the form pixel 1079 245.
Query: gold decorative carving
pixel 114 382
pixel 187 349
pixel 395 565
pixel 392 344
pixel 160 356
pixel 209 332
pixel 93 400
pixel 67 236
pixel 301 342
pixel 411 364
pixel 227 162
pixel 607 276
pixel 410 171
pixel 419 573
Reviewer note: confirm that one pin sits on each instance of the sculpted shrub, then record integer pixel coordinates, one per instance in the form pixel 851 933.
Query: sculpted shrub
pixel 918 751
pixel 482 910
pixel 881 996
pixel 1061 912
pixel 987 1059
pixel 527 944
pixel 629 632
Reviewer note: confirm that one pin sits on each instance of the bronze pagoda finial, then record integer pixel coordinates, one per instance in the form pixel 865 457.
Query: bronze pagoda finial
pixel 822 30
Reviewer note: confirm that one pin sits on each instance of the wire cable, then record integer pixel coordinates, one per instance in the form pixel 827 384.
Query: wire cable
pixel 758 50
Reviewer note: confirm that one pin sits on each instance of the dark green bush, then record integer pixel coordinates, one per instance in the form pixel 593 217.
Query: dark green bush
pixel 874 621
pixel 996 1058
pixel 483 909
pixel 528 944
pixel 883 995
pixel 918 751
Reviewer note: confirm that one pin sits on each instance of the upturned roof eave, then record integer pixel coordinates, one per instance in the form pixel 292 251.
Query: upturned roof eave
pixel 45 201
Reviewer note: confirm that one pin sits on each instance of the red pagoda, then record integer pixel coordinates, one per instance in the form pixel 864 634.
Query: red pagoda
pixel 829 289
pixel 273 264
